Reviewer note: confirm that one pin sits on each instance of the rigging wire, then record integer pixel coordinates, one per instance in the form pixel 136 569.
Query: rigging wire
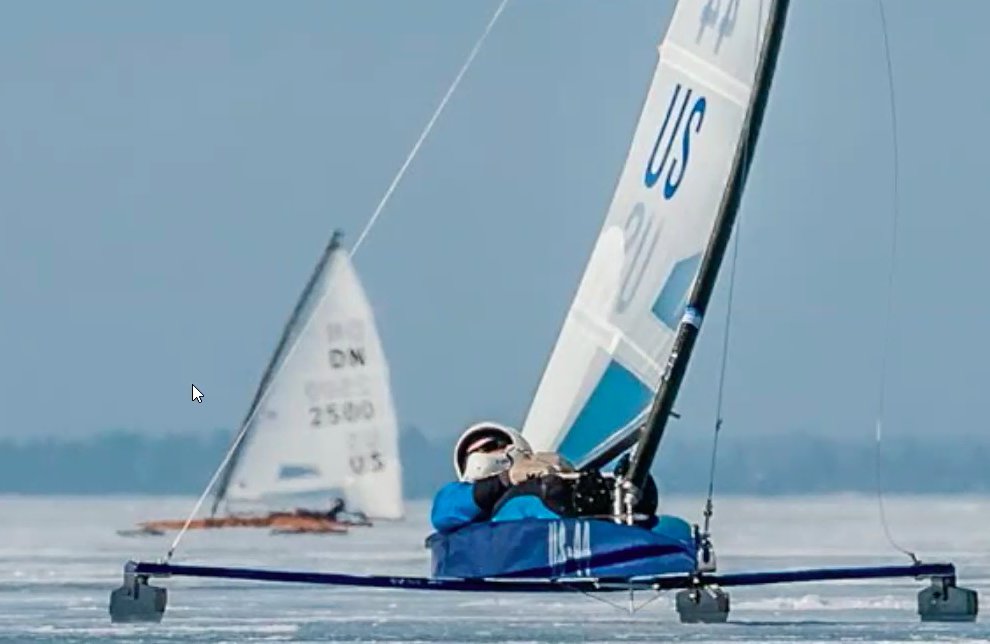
pixel 710 498
pixel 364 233
pixel 891 271
pixel 895 220
pixel 709 501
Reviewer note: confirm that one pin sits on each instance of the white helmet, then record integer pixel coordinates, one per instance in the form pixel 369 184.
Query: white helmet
pixel 472 462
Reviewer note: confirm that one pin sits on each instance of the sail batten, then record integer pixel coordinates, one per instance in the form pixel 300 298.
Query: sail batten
pixel 717 80
pixel 597 387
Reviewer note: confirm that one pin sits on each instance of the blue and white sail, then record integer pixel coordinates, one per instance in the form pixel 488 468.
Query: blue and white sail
pixel 619 332
pixel 326 421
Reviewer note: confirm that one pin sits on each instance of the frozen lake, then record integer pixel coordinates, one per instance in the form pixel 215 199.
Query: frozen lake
pixel 60 557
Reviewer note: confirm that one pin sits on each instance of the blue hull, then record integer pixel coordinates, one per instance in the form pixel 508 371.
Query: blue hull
pixel 550 548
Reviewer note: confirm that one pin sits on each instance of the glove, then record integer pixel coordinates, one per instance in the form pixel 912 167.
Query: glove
pixel 587 495
pixel 524 469
pixel 516 453
pixel 593 494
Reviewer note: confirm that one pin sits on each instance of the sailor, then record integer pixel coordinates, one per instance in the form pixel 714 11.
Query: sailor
pixel 489 459
pixel 500 478
pixel 337 505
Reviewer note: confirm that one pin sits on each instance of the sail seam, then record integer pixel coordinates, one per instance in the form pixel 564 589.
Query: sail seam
pixel 679 59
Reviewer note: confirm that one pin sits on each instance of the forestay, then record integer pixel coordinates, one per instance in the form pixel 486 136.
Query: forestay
pixel 327 421
pixel 619 332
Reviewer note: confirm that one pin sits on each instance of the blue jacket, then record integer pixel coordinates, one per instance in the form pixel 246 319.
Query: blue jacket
pixel 458 504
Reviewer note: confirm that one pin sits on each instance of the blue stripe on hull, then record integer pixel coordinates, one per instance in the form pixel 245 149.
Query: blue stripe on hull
pixel 615 402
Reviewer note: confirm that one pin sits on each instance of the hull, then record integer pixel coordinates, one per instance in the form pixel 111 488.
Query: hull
pixel 277 522
pixel 309 529
pixel 553 548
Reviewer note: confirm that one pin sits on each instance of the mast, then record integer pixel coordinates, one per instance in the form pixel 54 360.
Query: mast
pixel 676 368
pixel 277 355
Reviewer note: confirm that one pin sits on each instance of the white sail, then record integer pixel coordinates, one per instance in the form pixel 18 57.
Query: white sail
pixel 327 421
pixel 619 332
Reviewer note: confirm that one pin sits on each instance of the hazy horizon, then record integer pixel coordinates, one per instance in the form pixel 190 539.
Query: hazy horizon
pixel 172 172
pixel 128 463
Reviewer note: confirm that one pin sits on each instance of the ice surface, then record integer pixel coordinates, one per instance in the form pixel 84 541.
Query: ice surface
pixel 59 559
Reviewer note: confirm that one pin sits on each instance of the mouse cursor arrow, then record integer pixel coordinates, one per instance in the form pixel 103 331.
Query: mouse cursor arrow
pixel 197 395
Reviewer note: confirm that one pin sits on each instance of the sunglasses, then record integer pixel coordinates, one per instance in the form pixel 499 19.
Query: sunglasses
pixel 490 446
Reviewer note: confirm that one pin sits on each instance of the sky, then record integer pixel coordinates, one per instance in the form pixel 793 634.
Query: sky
pixel 172 171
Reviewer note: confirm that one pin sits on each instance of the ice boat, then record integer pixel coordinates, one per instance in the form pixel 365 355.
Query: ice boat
pixel 625 340
pixel 610 384
pixel 322 422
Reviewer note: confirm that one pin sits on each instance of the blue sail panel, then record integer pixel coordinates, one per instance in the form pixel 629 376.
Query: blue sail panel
pixel 615 402
pixel 298 472
pixel 670 303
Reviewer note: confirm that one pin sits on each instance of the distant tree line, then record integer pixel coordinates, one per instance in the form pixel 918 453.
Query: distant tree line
pixel 120 462
pixel 799 463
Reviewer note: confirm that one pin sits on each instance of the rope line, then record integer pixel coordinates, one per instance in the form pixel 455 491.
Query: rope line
pixel 364 233
pixel 891 271
pixel 429 126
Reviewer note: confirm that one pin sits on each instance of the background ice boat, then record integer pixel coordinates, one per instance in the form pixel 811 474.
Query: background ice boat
pixel 327 427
